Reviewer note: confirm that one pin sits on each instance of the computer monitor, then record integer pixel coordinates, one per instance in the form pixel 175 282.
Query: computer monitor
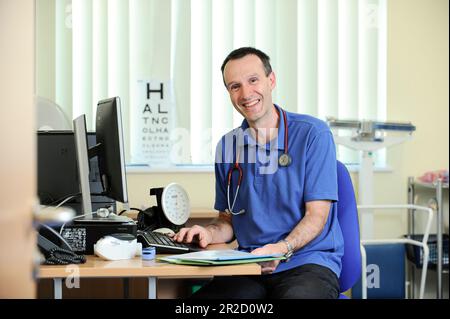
pixel 57 171
pixel 109 151
pixel 57 175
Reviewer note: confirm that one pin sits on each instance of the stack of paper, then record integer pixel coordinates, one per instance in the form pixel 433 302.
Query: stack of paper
pixel 219 258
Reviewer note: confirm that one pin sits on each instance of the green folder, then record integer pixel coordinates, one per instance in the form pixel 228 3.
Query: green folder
pixel 218 258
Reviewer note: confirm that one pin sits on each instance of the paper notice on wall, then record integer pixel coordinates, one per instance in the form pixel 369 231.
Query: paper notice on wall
pixel 152 119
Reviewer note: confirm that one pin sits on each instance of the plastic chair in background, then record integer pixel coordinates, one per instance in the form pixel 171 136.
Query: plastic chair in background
pixel 423 243
pixel 348 220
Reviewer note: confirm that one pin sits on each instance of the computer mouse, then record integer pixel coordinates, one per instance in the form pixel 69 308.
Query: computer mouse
pixel 165 231
pixel 117 247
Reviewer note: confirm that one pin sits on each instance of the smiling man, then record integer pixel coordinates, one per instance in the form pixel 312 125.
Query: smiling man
pixel 289 211
pixel 250 86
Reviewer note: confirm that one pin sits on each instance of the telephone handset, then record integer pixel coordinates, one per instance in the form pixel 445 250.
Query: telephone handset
pixel 55 248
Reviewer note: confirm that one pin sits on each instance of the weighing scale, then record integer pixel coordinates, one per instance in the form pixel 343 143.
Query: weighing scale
pixel 369 136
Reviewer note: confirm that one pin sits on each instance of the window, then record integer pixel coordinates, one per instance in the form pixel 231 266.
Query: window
pixel 329 57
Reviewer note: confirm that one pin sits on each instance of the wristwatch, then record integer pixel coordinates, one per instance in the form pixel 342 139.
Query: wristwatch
pixel 290 249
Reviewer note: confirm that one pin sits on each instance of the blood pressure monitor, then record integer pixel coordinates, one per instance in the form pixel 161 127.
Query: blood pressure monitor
pixel 175 204
pixel 173 209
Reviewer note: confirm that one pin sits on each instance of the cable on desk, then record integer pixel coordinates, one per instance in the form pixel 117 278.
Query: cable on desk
pixel 124 210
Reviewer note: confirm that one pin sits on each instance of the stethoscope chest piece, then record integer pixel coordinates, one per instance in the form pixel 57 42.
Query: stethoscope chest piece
pixel 285 160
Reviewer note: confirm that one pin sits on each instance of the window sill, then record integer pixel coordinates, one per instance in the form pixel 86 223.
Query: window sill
pixel 146 169
pixel 354 168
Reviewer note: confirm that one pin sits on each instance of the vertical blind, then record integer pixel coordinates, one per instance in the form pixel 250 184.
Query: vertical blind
pixel 329 58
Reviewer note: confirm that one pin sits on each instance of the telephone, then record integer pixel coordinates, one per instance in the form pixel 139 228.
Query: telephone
pixel 55 248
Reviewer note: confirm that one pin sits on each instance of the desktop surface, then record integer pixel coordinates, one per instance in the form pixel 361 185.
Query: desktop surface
pixel 152 270
pixel 97 267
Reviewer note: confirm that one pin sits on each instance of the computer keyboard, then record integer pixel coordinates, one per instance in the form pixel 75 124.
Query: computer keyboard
pixel 164 244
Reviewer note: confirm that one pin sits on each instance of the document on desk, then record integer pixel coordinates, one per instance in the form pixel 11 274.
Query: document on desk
pixel 219 257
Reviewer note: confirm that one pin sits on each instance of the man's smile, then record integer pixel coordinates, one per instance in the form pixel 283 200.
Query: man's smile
pixel 250 103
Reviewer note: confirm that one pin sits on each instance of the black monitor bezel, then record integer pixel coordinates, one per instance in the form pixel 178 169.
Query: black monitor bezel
pixel 110 149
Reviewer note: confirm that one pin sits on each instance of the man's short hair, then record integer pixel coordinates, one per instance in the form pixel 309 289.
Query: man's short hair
pixel 244 51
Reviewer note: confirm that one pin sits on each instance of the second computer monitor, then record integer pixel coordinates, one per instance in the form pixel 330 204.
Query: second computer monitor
pixel 110 149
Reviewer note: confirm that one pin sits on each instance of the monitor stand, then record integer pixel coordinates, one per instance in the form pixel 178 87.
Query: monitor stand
pixel 89 216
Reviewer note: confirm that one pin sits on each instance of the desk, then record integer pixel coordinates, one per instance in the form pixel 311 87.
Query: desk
pixel 96 267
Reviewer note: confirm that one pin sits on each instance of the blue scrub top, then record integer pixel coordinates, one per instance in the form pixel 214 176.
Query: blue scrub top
pixel 274 197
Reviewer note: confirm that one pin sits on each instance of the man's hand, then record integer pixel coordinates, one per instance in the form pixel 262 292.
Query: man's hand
pixel 218 231
pixel 268 267
pixel 195 233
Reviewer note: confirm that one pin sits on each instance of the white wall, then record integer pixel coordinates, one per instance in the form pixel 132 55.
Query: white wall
pixel 17 144
pixel 417 90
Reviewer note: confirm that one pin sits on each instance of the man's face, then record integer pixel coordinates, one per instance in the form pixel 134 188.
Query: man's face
pixel 249 88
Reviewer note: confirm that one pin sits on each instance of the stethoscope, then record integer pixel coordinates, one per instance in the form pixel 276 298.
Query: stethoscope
pixel 284 160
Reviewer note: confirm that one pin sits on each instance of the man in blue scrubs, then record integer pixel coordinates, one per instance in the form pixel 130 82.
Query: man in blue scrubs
pixel 286 200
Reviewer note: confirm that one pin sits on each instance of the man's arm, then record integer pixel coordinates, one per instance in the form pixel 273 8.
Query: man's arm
pixel 307 229
pixel 221 229
pixel 311 225
pixel 218 231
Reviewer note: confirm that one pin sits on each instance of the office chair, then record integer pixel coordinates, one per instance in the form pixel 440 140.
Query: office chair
pixel 354 261
pixel 348 220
